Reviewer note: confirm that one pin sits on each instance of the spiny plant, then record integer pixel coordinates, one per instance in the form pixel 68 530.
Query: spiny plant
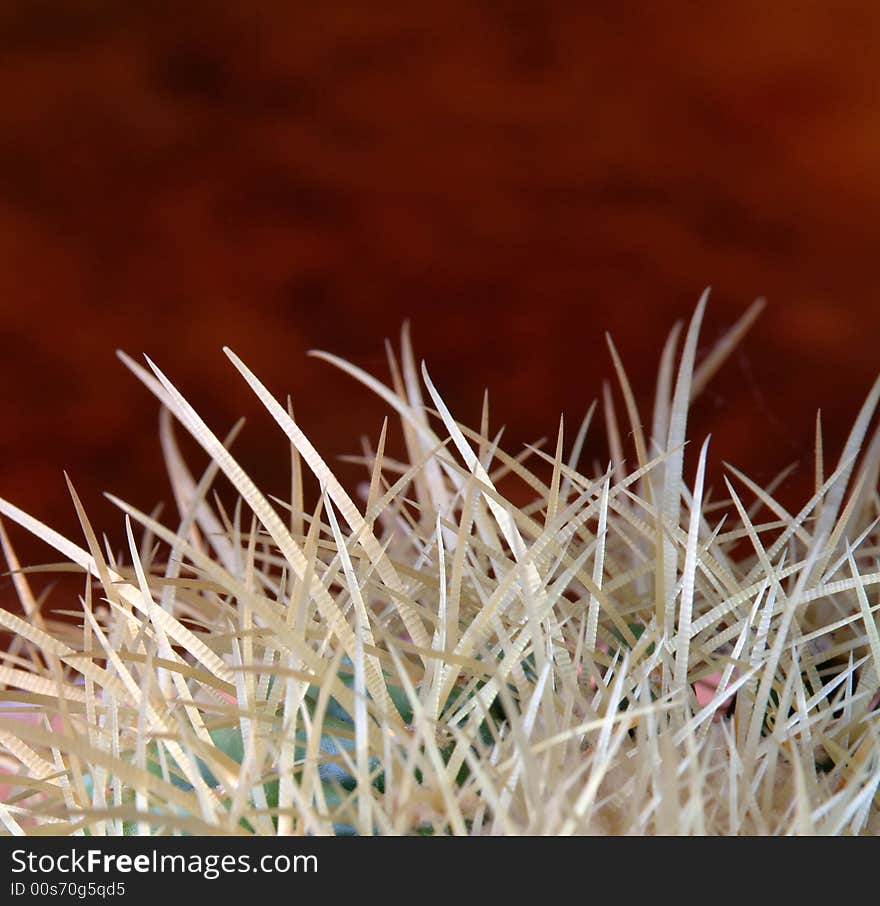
pixel 617 656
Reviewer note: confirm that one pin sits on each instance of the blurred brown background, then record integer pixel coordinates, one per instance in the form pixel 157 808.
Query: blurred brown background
pixel 514 177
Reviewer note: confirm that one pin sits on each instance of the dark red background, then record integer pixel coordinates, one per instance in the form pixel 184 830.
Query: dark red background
pixel 516 178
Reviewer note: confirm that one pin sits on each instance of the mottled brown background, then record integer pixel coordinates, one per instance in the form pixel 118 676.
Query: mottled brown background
pixel 516 178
